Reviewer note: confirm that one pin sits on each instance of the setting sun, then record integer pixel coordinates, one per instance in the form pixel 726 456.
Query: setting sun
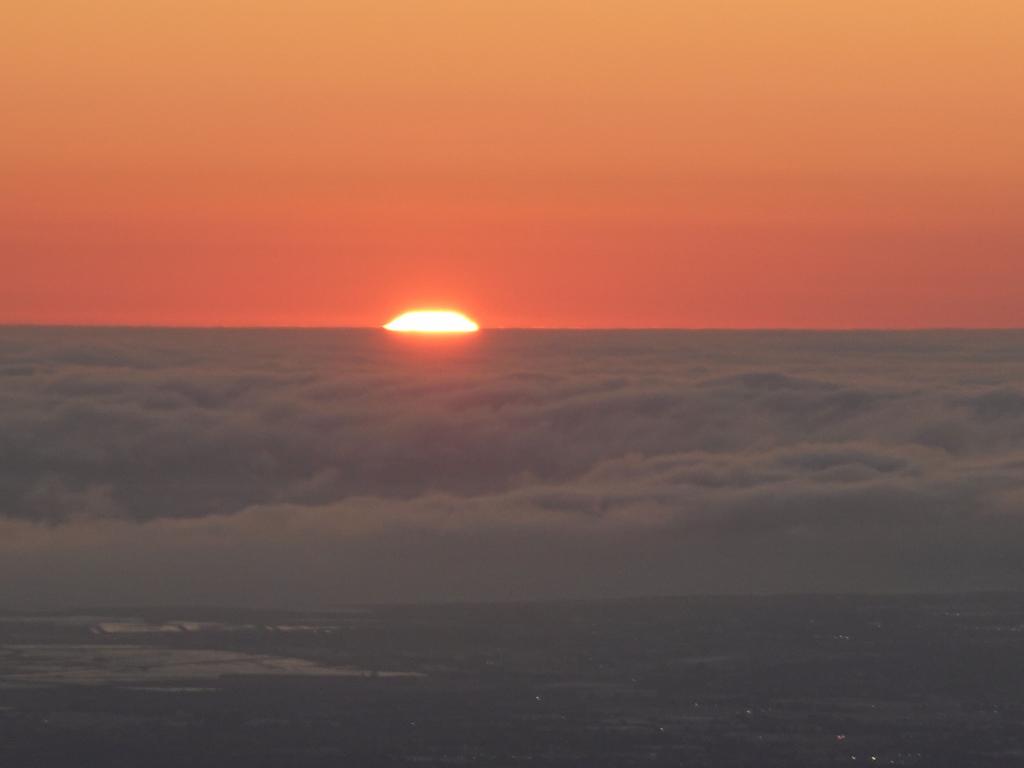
pixel 432 321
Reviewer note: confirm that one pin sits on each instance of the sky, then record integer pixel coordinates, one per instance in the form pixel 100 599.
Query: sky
pixel 315 468
pixel 555 163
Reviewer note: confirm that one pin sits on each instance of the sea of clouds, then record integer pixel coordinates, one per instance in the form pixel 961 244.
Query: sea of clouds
pixel 318 467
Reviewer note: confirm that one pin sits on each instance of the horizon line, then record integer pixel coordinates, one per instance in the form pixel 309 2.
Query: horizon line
pixel 581 328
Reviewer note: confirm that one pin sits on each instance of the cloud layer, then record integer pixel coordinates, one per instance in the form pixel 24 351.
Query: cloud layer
pixel 319 467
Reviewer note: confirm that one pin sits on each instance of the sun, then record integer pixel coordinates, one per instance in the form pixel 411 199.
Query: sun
pixel 432 321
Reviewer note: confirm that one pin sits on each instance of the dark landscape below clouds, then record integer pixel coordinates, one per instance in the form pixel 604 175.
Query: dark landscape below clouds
pixel 317 467
pixel 704 682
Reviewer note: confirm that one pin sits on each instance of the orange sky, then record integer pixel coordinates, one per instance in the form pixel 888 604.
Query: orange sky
pixel 532 162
